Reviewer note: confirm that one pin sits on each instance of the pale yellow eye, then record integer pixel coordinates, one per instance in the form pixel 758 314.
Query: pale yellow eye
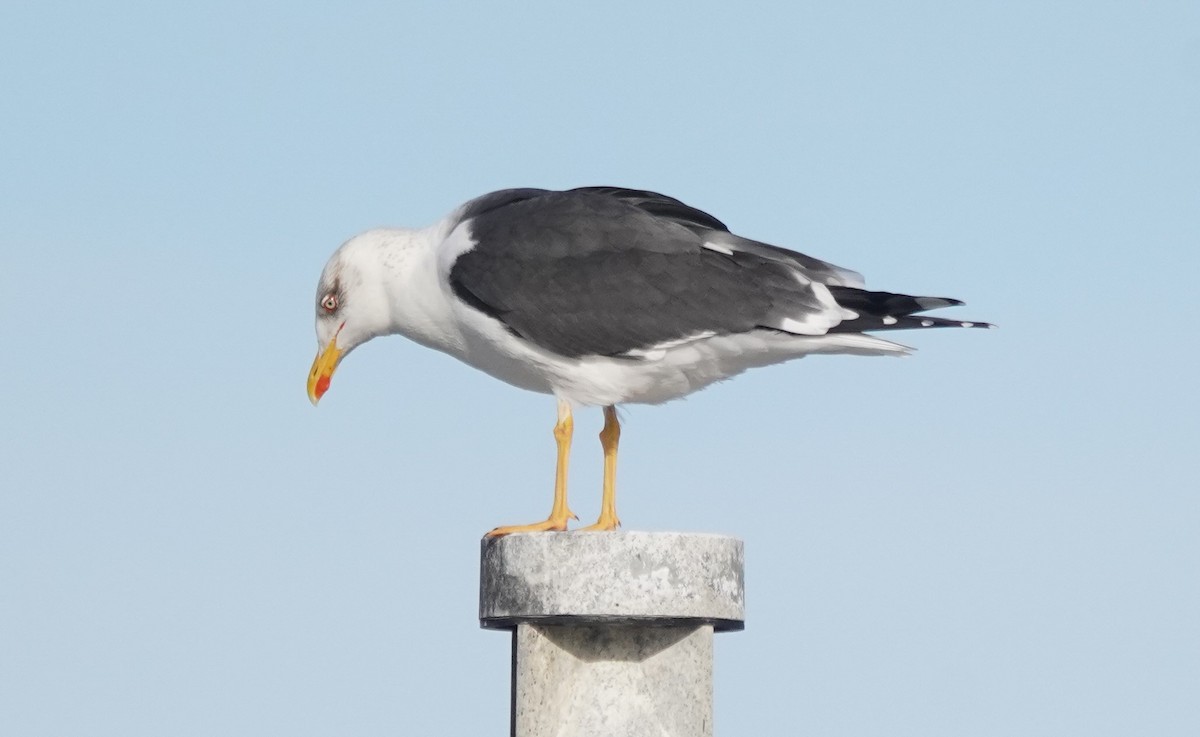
pixel 329 302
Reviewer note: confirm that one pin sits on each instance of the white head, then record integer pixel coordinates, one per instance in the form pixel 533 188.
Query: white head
pixel 352 305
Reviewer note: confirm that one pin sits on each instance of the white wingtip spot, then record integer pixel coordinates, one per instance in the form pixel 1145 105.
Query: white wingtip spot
pixel 889 320
pixel 967 324
pixel 927 323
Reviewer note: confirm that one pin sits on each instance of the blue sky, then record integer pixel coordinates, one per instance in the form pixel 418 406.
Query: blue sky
pixel 996 536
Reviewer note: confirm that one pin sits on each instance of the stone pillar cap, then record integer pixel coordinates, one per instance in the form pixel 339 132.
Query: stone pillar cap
pixel 647 578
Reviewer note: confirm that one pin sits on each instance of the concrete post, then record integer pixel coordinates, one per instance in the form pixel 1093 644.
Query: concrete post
pixel 612 631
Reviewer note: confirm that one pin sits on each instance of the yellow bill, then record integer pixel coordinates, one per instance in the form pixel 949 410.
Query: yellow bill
pixel 322 371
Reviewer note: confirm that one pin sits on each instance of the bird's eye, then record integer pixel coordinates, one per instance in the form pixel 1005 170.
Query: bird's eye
pixel 329 302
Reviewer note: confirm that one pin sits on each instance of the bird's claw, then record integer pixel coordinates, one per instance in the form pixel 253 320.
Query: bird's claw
pixel 606 523
pixel 554 524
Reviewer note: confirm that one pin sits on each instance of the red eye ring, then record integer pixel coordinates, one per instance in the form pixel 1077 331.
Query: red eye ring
pixel 329 302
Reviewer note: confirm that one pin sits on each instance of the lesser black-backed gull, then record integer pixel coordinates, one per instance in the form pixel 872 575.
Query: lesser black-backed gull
pixel 599 296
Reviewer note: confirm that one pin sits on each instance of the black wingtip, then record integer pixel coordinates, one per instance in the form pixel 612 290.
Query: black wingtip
pixel 872 323
pixel 945 322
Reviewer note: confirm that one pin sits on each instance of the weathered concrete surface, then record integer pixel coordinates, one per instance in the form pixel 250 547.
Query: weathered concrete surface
pixel 612 632
pixel 663 578
pixel 612 681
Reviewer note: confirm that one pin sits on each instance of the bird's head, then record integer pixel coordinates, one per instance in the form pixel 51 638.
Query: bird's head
pixel 352 307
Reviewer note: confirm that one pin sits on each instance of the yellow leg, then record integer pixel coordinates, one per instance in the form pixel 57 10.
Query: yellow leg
pixel 560 512
pixel 608 502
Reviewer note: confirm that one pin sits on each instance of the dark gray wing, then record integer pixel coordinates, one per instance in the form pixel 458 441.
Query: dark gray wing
pixel 496 200
pixel 605 271
pixel 813 268
pixel 660 205
pixel 716 232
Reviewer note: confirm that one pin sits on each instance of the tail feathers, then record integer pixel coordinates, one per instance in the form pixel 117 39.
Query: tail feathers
pixel 888 311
